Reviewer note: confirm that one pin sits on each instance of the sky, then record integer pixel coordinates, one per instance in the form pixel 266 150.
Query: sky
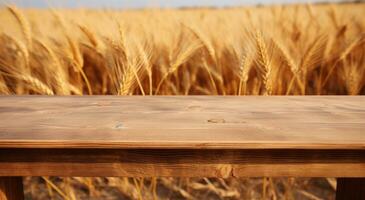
pixel 146 3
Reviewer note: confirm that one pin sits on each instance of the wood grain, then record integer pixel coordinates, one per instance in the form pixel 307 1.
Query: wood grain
pixel 348 188
pixel 182 163
pixel 11 188
pixel 324 122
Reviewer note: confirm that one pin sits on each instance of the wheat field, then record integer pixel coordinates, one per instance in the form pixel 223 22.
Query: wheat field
pixel 276 50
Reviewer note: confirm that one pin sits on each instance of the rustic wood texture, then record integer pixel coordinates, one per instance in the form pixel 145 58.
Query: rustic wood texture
pixel 11 188
pixel 182 162
pixel 350 188
pixel 182 136
pixel 183 122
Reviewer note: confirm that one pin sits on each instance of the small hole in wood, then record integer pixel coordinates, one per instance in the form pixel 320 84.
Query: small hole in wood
pixel 217 121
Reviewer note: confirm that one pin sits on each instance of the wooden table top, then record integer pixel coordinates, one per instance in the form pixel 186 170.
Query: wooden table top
pixel 193 122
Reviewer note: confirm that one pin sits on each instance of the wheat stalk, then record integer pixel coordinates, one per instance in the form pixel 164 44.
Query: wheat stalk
pixel 57 189
pixel 265 66
pixel 145 56
pixel 204 40
pixel 181 58
pixel 210 75
pixel 353 45
pixel 3 87
pixel 286 56
pixel 59 74
pixel 245 67
pixel 24 24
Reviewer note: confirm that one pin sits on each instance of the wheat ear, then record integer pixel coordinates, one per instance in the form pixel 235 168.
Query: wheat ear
pixel 264 62
pixel 93 39
pixel 60 75
pixel 38 85
pixel 182 57
pixel 25 76
pixel 204 40
pixel 245 67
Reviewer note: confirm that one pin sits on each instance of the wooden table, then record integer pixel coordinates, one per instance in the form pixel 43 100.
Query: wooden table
pixel 183 137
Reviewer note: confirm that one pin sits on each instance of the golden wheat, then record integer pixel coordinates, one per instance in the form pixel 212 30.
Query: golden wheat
pixel 24 24
pixel 278 50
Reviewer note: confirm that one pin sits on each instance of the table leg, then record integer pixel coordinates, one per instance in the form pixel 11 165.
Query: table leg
pixel 350 188
pixel 11 188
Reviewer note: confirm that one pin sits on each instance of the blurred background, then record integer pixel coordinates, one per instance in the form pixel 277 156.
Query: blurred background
pixel 154 3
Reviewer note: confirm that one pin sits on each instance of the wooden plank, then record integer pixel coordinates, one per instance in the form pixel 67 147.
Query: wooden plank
pixel 11 188
pixel 350 188
pixel 182 163
pixel 309 122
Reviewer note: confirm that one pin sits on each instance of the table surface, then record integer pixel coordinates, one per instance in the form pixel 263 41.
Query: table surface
pixel 193 122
